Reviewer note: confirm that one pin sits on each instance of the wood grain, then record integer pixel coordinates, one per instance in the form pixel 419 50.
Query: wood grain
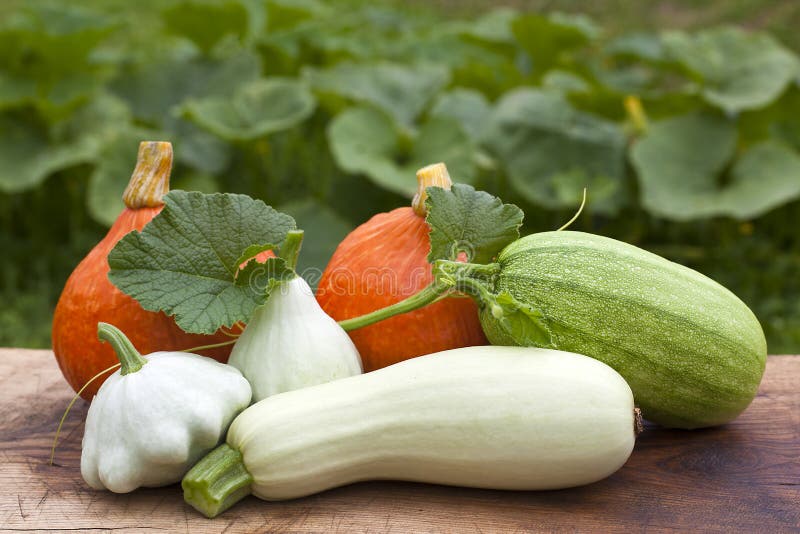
pixel 743 477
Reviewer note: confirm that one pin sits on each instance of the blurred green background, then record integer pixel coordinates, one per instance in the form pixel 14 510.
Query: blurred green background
pixel 681 117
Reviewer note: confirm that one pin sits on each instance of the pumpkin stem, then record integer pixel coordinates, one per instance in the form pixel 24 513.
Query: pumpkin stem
pixel 150 179
pixel 290 248
pixel 435 175
pixel 129 358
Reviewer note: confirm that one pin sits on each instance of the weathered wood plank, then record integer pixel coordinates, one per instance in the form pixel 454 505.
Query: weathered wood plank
pixel 743 477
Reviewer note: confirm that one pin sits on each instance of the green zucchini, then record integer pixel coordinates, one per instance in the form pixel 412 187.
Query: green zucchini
pixel 691 351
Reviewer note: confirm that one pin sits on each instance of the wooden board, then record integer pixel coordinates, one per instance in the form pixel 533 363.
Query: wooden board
pixel 744 477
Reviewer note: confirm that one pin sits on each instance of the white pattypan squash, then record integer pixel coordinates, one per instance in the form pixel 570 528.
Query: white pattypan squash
pixel 290 342
pixel 156 416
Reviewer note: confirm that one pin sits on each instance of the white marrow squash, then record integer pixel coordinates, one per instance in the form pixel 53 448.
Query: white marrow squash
pixel 491 417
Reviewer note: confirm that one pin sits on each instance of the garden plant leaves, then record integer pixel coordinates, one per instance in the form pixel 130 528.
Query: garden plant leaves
pixel 401 91
pixel 737 70
pixel 553 151
pixel 469 221
pixel 255 110
pixel 365 140
pixel 185 262
pixel 681 164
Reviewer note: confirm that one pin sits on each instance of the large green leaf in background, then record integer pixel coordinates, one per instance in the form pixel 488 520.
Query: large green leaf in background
pixel 195 147
pixel 402 91
pixel 552 151
pixel 30 151
pixel 287 14
pixel 552 40
pixel 154 89
pixel 45 56
pixel 738 70
pixel 637 45
pixel 255 110
pixel 680 164
pixel 366 140
pixel 493 26
pixel 779 121
pixel 27 156
pixel 205 23
pixel 467 106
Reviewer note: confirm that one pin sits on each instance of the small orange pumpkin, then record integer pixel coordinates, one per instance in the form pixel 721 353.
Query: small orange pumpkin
pixel 89 297
pixel 384 261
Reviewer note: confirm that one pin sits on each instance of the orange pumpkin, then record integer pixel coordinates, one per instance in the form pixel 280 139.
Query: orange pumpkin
pixel 89 297
pixel 384 261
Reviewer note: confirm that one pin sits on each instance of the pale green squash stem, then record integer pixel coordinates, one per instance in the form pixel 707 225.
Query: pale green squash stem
pixel 449 277
pixel 129 358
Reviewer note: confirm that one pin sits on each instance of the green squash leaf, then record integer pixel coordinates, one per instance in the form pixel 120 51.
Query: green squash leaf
pixel 645 46
pixel 197 148
pixel 255 110
pixel 550 40
pixel 401 91
pixel 154 89
pixel 566 82
pixel 185 261
pixel 738 70
pixel 287 14
pixel 469 221
pixel 681 166
pixel 467 106
pixel 764 177
pixel 252 251
pixel 27 157
pixel 518 320
pixel 365 140
pixel 678 161
pixel 262 278
pixel 15 90
pixel 443 140
pixel 206 23
pixel 552 151
pixel 30 152
pixel 494 26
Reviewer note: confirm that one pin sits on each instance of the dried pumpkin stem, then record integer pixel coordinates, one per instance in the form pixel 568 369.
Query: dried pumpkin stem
pixel 150 179
pixel 434 175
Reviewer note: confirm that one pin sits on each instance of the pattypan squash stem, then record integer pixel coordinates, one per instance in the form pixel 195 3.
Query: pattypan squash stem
pixel 290 248
pixel 129 358
pixel 449 277
pixel 217 482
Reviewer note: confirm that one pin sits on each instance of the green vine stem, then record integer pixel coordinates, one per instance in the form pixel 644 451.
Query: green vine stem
pixel 217 482
pixel 129 358
pixel 290 248
pixel 449 277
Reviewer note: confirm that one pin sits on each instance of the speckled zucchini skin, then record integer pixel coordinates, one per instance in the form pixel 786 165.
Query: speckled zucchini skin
pixel 691 351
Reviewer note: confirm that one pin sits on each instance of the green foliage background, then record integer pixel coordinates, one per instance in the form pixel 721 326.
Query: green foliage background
pixel 689 141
